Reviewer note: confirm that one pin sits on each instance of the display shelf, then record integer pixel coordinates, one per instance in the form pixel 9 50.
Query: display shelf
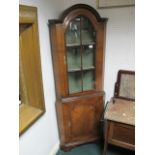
pixel 73 45
pixel 79 69
pixel 88 68
pixel 75 70
pixel 89 43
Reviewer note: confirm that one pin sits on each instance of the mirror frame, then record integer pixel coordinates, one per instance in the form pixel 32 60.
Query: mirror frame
pixel 32 104
pixel 118 84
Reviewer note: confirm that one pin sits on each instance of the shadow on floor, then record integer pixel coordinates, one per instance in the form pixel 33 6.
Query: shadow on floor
pixel 96 149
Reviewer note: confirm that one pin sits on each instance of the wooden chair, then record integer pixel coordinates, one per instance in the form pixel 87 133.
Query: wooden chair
pixel 119 117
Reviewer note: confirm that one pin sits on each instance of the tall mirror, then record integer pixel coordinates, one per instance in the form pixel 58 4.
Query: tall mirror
pixel 31 96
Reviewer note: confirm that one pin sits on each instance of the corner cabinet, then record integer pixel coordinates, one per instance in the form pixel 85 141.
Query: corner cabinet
pixel 78 43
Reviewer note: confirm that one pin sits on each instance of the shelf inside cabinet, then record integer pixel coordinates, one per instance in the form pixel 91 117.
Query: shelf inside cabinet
pixel 88 43
pixel 78 44
pixel 88 68
pixel 74 70
pixel 79 69
pixel 73 44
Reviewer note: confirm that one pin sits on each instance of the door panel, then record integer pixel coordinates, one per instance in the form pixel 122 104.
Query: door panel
pixel 80 120
pixel 122 132
pixel 82 117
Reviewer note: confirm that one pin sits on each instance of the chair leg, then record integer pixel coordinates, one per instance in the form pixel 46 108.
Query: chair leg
pixel 105 137
pixel 105 147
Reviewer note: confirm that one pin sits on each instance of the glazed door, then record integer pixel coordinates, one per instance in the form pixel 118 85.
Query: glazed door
pixel 80 52
pixel 82 118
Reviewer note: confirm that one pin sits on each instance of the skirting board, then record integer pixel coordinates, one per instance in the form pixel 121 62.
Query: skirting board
pixel 55 149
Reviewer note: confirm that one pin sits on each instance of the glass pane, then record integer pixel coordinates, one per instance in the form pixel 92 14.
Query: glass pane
pixel 88 80
pixel 87 31
pixel 80 45
pixel 75 82
pixel 88 59
pixel 73 33
pixel 127 86
pixel 73 59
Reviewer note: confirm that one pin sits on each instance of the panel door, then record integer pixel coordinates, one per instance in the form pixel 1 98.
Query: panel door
pixel 122 135
pixel 82 118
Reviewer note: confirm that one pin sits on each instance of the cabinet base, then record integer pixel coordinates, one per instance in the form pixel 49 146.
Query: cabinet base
pixel 69 146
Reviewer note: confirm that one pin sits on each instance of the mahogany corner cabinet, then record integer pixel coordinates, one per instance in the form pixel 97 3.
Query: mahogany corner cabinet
pixel 78 49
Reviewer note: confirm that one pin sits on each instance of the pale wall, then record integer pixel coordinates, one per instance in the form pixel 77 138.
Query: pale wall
pixel 42 136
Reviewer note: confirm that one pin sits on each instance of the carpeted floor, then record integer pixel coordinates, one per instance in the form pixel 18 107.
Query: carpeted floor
pixel 96 149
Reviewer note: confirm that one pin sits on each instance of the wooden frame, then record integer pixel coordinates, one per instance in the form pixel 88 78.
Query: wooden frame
pixel 118 134
pixel 118 85
pixel 115 3
pixel 31 90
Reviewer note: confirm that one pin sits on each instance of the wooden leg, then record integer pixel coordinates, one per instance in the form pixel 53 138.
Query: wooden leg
pixel 105 137
pixel 105 147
